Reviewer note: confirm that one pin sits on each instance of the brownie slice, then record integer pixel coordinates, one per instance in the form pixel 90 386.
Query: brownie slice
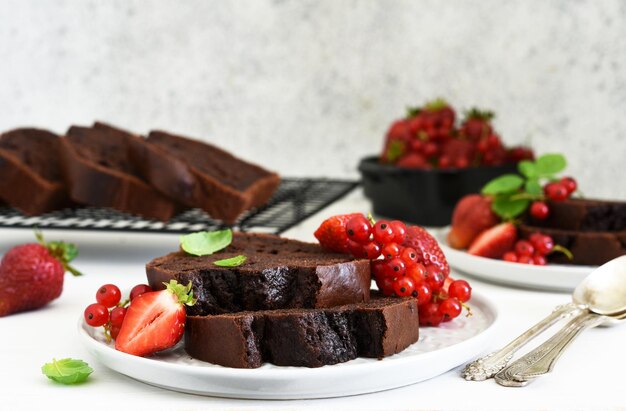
pixel 30 171
pixel 204 176
pixel 587 247
pixel 584 215
pixel 304 337
pixel 100 173
pixel 278 273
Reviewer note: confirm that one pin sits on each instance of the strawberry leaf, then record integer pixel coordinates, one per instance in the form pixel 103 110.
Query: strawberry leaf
pixel 503 184
pixel 507 208
pixel 549 164
pixel 395 151
pixel 527 168
pixel 67 371
pixel 231 262
pixel 533 187
pixel 183 293
pixel 206 242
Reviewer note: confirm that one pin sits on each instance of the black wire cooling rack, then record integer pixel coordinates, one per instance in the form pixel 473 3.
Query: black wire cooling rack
pixel 295 200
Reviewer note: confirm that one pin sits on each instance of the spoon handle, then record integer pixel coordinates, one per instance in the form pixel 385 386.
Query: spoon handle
pixel 488 366
pixel 541 360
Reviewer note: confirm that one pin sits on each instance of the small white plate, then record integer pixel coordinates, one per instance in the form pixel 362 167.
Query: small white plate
pixel 551 277
pixel 438 350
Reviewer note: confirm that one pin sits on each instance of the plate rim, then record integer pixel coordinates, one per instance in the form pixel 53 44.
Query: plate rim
pixel 102 351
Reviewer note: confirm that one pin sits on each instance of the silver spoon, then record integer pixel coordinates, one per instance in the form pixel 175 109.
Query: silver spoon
pixel 602 292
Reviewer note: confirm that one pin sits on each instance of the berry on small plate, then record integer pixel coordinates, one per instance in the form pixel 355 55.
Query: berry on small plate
pixel 551 277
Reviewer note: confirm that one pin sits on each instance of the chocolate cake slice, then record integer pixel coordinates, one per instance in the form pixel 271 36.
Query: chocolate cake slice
pixel 99 172
pixel 204 176
pixel 584 215
pixel 31 179
pixel 304 337
pixel 587 247
pixel 278 273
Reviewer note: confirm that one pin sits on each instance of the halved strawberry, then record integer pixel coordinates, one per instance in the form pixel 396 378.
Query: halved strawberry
pixel 427 248
pixel 155 320
pixel 331 234
pixel 494 242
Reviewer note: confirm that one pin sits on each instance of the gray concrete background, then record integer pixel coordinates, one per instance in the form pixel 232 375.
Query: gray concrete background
pixel 309 87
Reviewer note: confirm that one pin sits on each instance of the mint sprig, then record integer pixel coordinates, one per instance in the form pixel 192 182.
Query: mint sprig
pixel 67 371
pixel 206 242
pixel 231 262
pixel 513 193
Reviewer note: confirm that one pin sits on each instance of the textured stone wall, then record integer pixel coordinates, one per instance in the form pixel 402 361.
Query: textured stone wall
pixel 309 87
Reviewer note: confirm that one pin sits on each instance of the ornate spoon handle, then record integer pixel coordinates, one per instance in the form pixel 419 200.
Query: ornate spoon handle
pixel 541 360
pixel 488 366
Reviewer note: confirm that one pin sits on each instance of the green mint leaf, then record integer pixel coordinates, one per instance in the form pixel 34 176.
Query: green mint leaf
pixel 231 262
pixel 503 184
pixel 549 164
pixel 527 168
pixel 206 242
pixel 509 209
pixel 533 187
pixel 67 371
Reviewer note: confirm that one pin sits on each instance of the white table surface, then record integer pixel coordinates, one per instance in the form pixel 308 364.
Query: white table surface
pixel 588 376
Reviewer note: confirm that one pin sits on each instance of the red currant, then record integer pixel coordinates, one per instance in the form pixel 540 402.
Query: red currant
pixel 523 247
pixel 539 210
pixel 450 308
pixel 396 267
pixel 556 191
pixel 391 250
pixel 539 259
pixel 429 314
pixel 358 229
pixel 416 271
pixel 385 285
pixel 403 287
pixel 96 315
pixel 399 231
pixel 424 293
pixel 461 290
pixel 570 184
pixel 510 256
pixel 138 290
pixel 378 268
pixel 114 331
pixel 108 295
pixel 117 316
pixel 543 243
pixel 434 278
pixel 372 250
pixel 525 259
pixel 383 233
pixel 356 249
pixel 409 256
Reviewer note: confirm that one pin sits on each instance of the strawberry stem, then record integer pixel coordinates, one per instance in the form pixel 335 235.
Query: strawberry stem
pixel 183 293
pixel 560 249
pixel 62 251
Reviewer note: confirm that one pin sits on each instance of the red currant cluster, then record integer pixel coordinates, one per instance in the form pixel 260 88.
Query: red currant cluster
pixel 400 271
pixel 109 312
pixel 428 138
pixel 554 191
pixel 533 251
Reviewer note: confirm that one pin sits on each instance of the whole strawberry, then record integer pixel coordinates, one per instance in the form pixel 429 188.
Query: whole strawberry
pixel 31 275
pixel 476 125
pixel 331 234
pixel 428 250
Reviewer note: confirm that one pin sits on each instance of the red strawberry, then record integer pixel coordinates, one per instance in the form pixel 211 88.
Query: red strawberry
pixel 413 160
pixel 477 124
pixel 494 242
pixel 459 153
pixel 155 320
pixel 331 234
pixel 31 275
pixel 427 248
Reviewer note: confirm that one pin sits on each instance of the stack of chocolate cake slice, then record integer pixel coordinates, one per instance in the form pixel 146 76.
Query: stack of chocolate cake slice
pixel 593 230
pixel 291 304
pixel 104 166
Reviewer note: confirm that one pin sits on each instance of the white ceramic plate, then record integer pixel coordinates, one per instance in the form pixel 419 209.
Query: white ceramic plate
pixel 551 277
pixel 438 350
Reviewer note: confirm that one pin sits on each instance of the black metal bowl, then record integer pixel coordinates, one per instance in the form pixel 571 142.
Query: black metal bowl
pixel 424 197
